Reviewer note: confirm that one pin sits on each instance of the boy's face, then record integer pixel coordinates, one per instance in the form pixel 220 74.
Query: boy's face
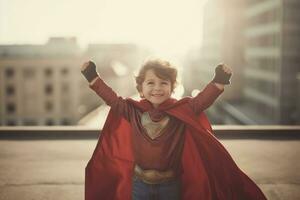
pixel 154 89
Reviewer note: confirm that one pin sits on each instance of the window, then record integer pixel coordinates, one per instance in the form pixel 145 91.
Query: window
pixel 48 89
pixel 10 108
pixel 9 72
pixel 11 122
pixel 10 90
pixel 48 72
pixel 50 122
pixel 65 71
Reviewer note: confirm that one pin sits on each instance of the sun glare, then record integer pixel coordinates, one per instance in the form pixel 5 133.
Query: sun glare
pixel 166 26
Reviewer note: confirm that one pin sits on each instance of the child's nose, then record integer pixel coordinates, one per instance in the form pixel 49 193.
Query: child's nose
pixel 157 87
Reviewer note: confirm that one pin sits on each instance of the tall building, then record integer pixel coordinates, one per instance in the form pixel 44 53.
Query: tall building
pixel 272 61
pixel 260 41
pixel 39 83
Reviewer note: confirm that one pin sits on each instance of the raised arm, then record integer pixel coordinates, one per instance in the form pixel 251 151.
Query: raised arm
pixel 212 90
pixel 110 97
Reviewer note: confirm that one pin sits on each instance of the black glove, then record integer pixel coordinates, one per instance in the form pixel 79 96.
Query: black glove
pixel 221 76
pixel 90 71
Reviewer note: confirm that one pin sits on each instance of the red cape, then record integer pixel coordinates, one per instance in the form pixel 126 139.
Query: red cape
pixel 209 172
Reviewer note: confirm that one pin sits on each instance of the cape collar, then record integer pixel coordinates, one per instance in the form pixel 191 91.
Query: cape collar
pixel 156 114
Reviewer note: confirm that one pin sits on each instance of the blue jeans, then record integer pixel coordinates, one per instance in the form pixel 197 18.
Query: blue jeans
pixel 164 191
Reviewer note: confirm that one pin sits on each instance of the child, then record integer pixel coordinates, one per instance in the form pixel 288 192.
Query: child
pixel 161 148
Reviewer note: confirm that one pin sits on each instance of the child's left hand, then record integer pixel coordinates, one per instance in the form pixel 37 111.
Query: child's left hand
pixel 226 69
pixel 222 74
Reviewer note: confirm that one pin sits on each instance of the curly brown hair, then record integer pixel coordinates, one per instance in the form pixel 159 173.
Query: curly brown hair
pixel 161 68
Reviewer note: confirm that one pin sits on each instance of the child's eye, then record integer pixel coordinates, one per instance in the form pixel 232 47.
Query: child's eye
pixel 165 83
pixel 149 83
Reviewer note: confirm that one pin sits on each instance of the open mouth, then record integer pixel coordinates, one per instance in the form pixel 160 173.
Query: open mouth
pixel 157 95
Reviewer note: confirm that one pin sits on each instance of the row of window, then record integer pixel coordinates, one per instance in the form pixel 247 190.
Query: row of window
pixel 265 17
pixel 48 89
pixel 29 72
pixel 32 122
pixel 271 40
pixel 264 87
pixel 268 64
pixel 11 107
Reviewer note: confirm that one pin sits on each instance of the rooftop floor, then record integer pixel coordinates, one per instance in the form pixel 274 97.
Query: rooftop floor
pixel 54 169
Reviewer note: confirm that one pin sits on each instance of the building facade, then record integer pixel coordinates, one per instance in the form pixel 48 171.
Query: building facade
pixel 39 83
pixel 42 84
pixel 272 61
pixel 260 41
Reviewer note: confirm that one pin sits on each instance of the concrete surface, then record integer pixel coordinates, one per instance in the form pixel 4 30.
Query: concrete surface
pixel 54 169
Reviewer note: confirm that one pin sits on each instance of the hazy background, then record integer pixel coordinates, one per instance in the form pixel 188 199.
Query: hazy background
pixel 43 43
pixel 169 26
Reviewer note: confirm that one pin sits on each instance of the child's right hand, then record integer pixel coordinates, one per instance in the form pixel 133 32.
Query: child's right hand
pixel 88 69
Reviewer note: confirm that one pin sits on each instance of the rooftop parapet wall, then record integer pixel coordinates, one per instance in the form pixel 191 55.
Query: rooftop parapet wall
pixel 83 132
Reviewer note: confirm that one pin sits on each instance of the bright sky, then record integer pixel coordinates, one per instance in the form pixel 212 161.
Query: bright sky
pixel 165 25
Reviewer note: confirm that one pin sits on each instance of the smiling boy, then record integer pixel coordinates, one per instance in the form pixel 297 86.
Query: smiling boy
pixel 161 148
